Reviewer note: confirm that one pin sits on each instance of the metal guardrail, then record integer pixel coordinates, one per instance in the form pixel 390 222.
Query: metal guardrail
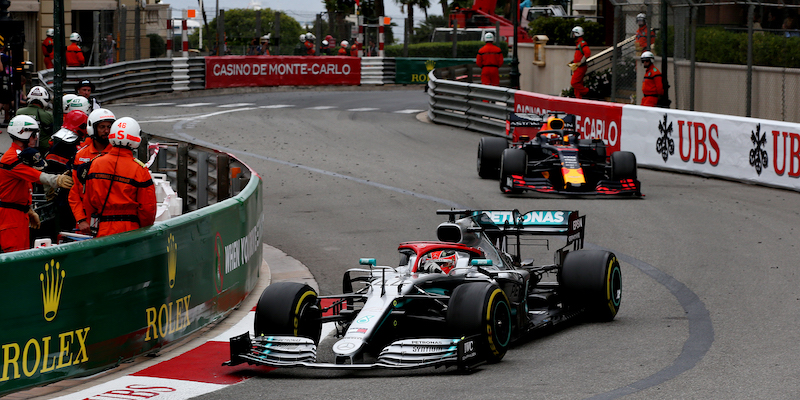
pixel 471 73
pixel 377 70
pixel 472 106
pixel 132 78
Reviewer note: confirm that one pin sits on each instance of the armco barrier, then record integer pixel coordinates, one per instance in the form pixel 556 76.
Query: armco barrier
pixel 82 307
pixel 469 105
pixel 750 150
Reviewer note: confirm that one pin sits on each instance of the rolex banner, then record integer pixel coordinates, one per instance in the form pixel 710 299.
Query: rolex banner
pixel 82 307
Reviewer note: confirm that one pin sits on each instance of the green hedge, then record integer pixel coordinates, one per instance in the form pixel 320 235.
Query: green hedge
pixel 559 29
pixel 441 50
pixel 717 45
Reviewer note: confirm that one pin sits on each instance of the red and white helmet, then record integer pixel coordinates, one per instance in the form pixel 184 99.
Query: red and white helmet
pixel 40 94
pixel 75 121
pixel 79 103
pixel 125 133
pixel 97 116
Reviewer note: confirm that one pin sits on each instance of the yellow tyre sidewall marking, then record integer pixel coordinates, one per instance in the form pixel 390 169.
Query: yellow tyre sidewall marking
pixel 297 309
pixel 489 308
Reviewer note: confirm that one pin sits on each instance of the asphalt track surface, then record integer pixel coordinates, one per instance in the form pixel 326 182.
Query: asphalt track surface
pixel 710 282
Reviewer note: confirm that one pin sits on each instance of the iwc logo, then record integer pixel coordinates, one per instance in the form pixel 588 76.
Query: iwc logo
pixel 52 281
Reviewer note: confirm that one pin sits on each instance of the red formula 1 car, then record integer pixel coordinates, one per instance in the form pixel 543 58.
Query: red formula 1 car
pixel 553 158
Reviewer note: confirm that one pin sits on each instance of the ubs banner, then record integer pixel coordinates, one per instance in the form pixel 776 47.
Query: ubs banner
pixel 233 71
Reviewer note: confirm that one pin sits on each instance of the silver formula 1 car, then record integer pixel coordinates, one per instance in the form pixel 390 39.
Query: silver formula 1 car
pixel 459 301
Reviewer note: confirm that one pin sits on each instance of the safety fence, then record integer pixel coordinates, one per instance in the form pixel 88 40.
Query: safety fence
pixel 78 308
pixel 759 151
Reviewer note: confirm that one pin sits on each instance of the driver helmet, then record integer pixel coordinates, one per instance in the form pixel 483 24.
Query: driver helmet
pixel 441 261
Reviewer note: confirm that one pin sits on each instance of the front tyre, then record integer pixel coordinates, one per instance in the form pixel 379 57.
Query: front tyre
pixel 288 309
pixel 623 165
pixel 592 279
pixel 490 150
pixel 513 162
pixel 481 308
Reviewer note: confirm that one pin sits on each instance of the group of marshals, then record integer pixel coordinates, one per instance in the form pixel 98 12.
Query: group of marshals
pixel 90 168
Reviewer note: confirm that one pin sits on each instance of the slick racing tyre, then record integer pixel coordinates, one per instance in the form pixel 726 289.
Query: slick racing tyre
pixel 513 162
pixel 623 165
pixel 490 150
pixel 288 309
pixel 481 308
pixel 592 279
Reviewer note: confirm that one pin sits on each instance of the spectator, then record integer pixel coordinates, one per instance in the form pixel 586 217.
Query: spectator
pixel 21 166
pixel 578 64
pixel 74 53
pixel 119 193
pixel 372 50
pixel 47 49
pixel 789 27
pixel 38 101
pixel 652 85
pixel 254 47
pixel 85 88
pixel 6 88
pixel 109 50
pixel 490 59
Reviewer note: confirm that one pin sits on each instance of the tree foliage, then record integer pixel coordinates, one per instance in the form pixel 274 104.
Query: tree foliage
pixel 240 29
pixel 558 30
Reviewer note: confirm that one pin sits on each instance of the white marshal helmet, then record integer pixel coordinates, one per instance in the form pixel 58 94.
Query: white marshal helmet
pixel 641 17
pixel 577 31
pixel 65 101
pixel 125 132
pixel 648 56
pixel 345 43
pixel 310 36
pixel 303 38
pixel 97 116
pixel 75 37
pixel 79 103
pixel 489 37
pixel 22 127
pixel 325 43
pixel 50 32
pixel 40 94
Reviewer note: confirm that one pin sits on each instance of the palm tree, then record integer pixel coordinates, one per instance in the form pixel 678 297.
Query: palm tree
pixel 423 4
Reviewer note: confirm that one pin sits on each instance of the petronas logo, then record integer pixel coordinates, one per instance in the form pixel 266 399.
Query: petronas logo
pixel 172 259
pixel 52 280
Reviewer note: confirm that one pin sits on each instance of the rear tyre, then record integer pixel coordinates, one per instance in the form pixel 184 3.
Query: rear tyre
pixel 481 308
pixel 592 279
pixel 623 165
pixel 513 162
pixel 288 309
pixel 490 150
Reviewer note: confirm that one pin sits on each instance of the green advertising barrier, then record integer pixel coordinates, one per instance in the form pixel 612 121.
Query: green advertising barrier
pixel 78 308
pixel 415 70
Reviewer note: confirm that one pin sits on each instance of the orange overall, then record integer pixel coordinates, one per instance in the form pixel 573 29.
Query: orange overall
pixel 76 196
pixel 15 200
pixel 652 86
pixel 581 51
pixel 119 192
pixel 490 59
